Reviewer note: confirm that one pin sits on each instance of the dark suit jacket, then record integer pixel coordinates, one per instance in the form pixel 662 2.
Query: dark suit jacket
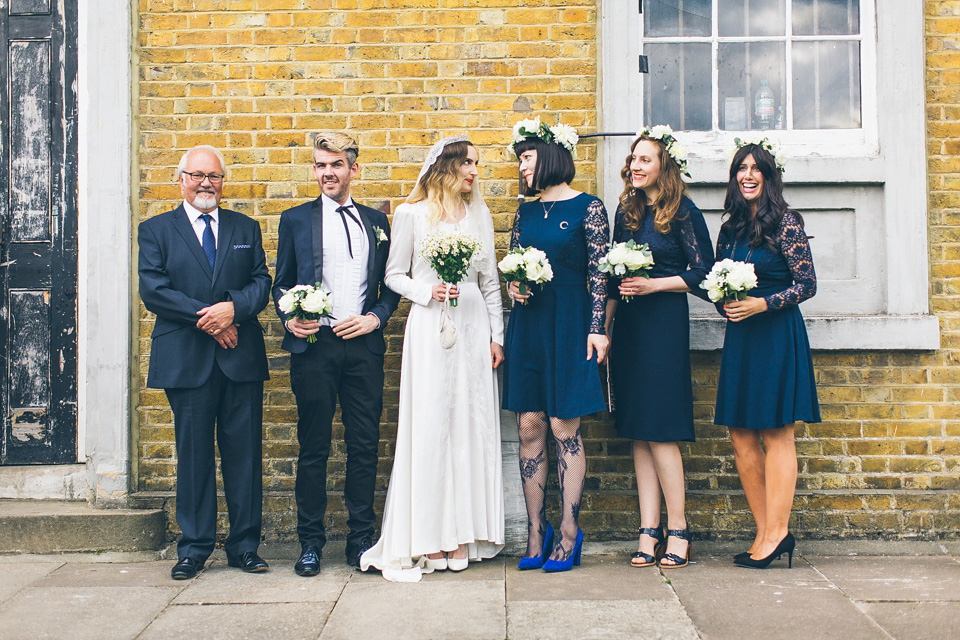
pixel 176 282
pixel 296 264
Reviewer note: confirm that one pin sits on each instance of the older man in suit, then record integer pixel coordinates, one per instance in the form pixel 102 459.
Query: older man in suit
pixel 204 274
pixel 342 245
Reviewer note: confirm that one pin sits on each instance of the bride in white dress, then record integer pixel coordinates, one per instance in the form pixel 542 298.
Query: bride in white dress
pixel 445 499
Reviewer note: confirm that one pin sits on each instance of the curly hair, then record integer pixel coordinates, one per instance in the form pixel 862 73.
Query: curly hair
pixel 666 206
pixel 760 230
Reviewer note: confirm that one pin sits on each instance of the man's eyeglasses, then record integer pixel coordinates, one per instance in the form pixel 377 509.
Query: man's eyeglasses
pixel 198 177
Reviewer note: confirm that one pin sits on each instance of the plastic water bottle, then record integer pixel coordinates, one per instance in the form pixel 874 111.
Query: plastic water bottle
pixel 779 117
pixel 764 108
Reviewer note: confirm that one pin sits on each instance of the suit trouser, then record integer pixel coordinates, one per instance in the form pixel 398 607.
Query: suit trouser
pixel 328 369
pixel 233 411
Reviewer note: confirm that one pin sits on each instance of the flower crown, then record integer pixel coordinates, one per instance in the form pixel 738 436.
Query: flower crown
pixel 766 144
pixel 664 134
pixel 561 134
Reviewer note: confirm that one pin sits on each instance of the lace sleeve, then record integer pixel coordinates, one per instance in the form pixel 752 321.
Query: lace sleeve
pixel 795 248
pixel 695 242
pixel 620 234
pixel 515 234
pixel 596 228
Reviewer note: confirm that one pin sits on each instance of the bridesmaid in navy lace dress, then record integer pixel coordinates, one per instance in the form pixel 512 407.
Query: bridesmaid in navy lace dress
pixel 650 347
pixel 766 373
pixel 554 341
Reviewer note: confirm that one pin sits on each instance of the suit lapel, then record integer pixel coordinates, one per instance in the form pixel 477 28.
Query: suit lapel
pixel 182 224
pixel 372 243
pixel 316 241
pixel 225 232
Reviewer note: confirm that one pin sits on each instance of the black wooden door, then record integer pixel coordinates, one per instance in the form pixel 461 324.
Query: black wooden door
pixel 38 215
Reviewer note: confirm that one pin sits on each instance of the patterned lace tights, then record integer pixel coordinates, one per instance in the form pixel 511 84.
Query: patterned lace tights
pixel 571 470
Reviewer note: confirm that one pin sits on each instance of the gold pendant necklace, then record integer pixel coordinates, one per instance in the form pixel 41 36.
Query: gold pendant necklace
pixel 546 211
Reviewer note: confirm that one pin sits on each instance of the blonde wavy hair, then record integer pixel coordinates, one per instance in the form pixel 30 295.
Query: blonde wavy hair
pixel 440 185
pixel 666 206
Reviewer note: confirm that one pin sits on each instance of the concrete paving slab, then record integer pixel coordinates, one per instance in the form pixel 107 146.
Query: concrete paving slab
pixel 143 574
pixel 893 578
pixel 611 619
pixel 597 578
pixel 725 601
pixel 460 609
pixel 290 621
pixel 92 612
pixel 16 576
pixel 220 584
pixel 916 620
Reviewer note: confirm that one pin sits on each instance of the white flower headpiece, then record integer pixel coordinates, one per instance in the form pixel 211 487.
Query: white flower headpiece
pixel 664 134
pixel 561 134
pixel 766 144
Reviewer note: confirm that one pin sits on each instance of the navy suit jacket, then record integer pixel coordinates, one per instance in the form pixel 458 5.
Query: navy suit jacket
pixel 176 281
pixel 296 265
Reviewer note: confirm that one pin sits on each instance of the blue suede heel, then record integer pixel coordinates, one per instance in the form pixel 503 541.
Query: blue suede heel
pixel 537 561
pixel 574 559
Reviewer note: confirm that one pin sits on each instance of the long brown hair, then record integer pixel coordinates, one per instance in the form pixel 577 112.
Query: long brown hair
pixel 666 206
pixel 440 185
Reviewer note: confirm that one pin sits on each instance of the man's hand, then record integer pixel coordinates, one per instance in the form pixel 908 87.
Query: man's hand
pixel 215 318
pixel 356 326
pixel 228 337
pixel 302 328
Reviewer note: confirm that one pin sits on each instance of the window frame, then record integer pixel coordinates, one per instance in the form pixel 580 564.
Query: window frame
pixel 864 138
pixel 889 154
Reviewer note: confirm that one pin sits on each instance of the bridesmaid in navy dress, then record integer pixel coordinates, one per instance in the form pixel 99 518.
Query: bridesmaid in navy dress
pixel 554 341
pixel 766 372
pixel 650 347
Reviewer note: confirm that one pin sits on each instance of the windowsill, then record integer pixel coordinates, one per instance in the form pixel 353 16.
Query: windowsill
pixel 834 333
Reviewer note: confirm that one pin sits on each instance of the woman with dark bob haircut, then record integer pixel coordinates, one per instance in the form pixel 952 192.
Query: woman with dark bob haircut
pixel 766 372
pixel 555 337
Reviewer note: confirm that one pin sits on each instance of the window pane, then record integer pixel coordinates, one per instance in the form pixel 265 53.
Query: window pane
pixel 826 17
pixel 751 17
pixel 748 70
pixel 677 89
pixel 676 18
pixel 826 85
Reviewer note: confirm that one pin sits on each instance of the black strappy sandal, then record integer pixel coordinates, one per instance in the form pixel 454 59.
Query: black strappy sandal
pixel 639 559
pixel 678 562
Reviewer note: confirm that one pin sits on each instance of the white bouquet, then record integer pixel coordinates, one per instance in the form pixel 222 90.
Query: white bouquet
pixel 627 260
pixel 307 302
pixel 525 265
pixel 729 280
pixel 450 254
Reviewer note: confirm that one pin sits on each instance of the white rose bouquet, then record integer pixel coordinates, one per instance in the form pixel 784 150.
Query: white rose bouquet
pixel 626 260
pixel 525 265
pixel 450 255
pixel 729 280
pixel 307 302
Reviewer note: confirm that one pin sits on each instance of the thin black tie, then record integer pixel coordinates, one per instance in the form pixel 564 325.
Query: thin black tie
pixel 344 212
pixel 209 243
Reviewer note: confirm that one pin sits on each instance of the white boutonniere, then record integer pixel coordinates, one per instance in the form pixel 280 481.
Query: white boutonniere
pixel 379 234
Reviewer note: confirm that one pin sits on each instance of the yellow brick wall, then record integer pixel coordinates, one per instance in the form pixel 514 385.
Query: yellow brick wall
pixel 255 77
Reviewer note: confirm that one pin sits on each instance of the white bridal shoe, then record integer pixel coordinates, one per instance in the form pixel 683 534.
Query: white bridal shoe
pixel 437 564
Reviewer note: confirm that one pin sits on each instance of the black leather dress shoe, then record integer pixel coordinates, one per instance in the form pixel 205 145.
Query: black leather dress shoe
pixel 249 561
pixel 186 568
pixel 309 562
pixel 354 553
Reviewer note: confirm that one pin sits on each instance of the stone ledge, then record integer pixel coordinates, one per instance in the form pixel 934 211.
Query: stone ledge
pixel 51 526
pixel 835 333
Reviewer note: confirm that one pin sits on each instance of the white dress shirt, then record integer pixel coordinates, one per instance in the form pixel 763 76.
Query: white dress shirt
pixel 345 277
pixel 193 214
